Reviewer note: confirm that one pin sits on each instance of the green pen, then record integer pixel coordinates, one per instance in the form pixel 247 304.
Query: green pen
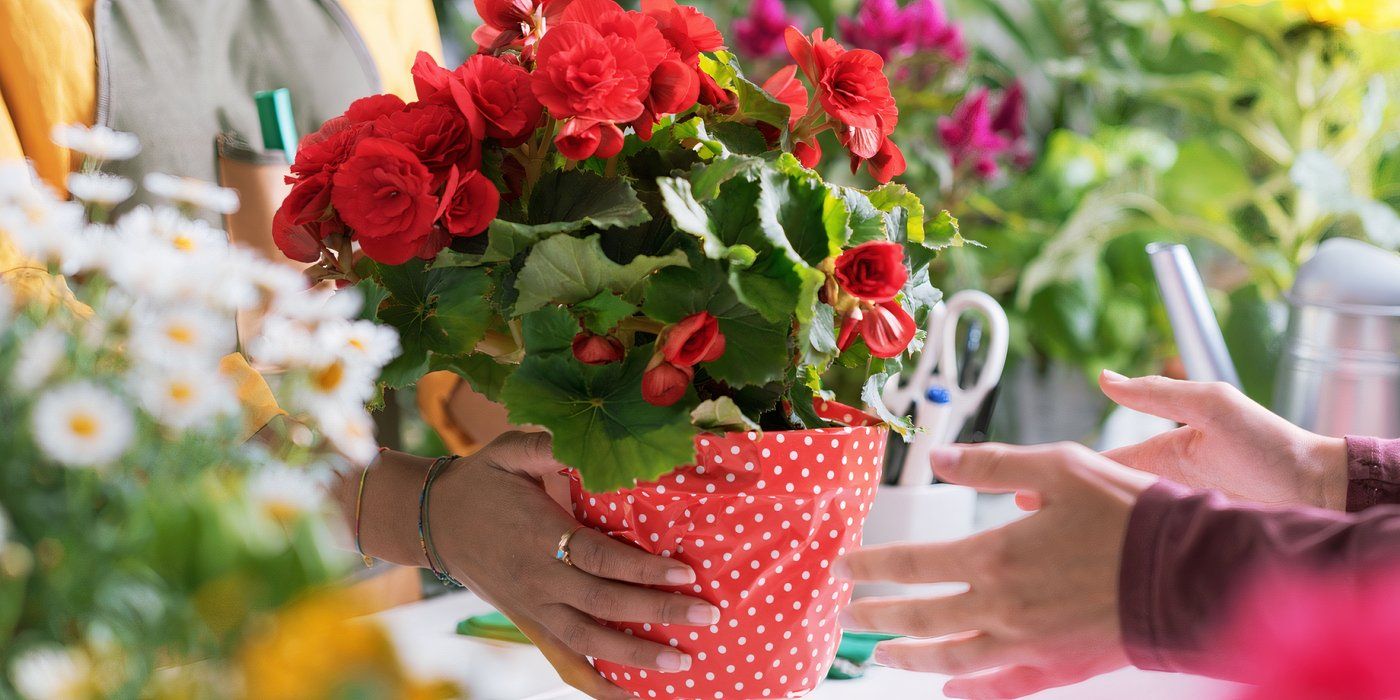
pixel 279 130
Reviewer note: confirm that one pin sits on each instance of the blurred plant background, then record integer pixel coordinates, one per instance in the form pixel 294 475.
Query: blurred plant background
pixel 1068 134
pixel 148 547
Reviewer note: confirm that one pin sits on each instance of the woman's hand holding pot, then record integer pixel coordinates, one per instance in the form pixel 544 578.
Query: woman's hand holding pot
pixel 496 530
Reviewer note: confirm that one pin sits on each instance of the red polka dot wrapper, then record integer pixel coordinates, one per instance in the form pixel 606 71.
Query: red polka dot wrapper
pixel 761 517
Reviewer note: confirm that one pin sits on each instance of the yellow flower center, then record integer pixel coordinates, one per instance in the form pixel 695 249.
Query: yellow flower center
pixel 329 378
pixel 184 243
pixel 357 344
pixel 83 425
pixel 180 334
pixel 180 392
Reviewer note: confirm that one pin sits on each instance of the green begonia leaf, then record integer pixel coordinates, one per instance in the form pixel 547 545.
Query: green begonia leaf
pixel 568 270
pixel 817 338
pixel 601 424
pixel 564 202
pixel 483 372
pixel 601 313
pixel 756 349
pixel 721 415
pixel 803 215
pixel 867 222
pixel 871 395
pixel 444 310
pixel 549 330
pixel 739 138
pixel 752 101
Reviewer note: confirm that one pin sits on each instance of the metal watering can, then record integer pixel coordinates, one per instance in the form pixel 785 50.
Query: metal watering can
pixel 1339 373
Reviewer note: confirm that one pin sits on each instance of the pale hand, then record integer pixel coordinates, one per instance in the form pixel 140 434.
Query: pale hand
pixel 1230 444
pixel 1042 607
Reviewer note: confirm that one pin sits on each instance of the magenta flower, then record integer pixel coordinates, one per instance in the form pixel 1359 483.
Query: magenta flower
pixel 931 30
pixel 1301 635
pixel 969 137
pixel 760 33
pixel 1010 122
pixel 880 26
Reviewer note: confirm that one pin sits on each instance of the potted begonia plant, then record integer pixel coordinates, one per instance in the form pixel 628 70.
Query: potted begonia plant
pixel 601 223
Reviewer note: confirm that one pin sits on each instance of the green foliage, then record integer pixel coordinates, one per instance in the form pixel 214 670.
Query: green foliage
pixel 601 424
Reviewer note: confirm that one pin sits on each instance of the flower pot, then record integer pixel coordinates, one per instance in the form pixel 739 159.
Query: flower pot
pixel 761 517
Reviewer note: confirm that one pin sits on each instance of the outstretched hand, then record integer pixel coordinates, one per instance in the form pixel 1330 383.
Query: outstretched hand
pixel 1042 607
pixel 1229 443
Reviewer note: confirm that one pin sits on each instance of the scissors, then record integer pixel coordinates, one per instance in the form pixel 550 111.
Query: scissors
pixel 941 404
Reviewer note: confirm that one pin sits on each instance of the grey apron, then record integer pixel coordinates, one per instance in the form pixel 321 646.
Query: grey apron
pixel 181 74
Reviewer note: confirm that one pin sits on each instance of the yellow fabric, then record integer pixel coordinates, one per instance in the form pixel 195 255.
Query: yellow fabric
pixel 259 405
pixel 48 76
pixel 395 31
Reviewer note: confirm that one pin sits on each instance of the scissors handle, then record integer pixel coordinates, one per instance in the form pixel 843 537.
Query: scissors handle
pixel 995 337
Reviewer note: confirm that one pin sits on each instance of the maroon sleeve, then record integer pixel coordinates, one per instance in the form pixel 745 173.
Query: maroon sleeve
pixel 1186 551
pixel 1373 472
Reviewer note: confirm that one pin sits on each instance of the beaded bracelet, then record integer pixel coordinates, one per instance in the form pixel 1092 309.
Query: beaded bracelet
pixel 425 537
pixel 359 508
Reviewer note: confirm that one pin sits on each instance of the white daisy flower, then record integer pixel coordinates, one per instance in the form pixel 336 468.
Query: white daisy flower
pixel 336 383
pixel 7 303
pixel 285 343
pixel 101 189
pixel 82 425
pixel 19 181
pixel 177 336
pixel 349 429
pixel 286 493
pixel 319 304
pixel 196 193
pixel 184 397
pixel 99 142
pixel 50 673
pixel 42 227
pixel 184 234
pixel 39 355
pixel 360 341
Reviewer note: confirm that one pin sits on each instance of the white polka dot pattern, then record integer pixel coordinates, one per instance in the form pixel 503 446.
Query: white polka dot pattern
pixel 760 517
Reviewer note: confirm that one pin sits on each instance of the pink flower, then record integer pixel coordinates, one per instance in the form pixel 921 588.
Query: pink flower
pixel 931 30
pixel 969 137
pixel 760 33
pixel 880 26
pixel 884 27
pixel 1306 636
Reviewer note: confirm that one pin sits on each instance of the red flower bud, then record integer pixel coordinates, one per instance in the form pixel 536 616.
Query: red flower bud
pixel 695 338
pixel 664 383
pixel 887 329
pixel 593 349
pixel 873 271
pixel 809 153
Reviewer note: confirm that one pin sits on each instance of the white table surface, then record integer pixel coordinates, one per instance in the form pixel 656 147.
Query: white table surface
pixel 425 634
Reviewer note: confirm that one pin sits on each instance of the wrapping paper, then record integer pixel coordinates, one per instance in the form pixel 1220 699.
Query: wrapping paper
pixel 761 517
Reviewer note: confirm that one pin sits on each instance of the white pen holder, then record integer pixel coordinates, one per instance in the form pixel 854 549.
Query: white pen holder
pixel 923 513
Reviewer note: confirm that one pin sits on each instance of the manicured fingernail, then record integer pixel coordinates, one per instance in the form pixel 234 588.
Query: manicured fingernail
pixel 1113 377
pixel 680 575
pixel 702 614
pixel 673 661
pixel 882 655
pixel 842 570
pixel 944 459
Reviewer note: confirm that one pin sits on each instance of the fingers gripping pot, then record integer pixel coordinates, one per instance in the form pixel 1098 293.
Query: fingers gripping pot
pixel 761 518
